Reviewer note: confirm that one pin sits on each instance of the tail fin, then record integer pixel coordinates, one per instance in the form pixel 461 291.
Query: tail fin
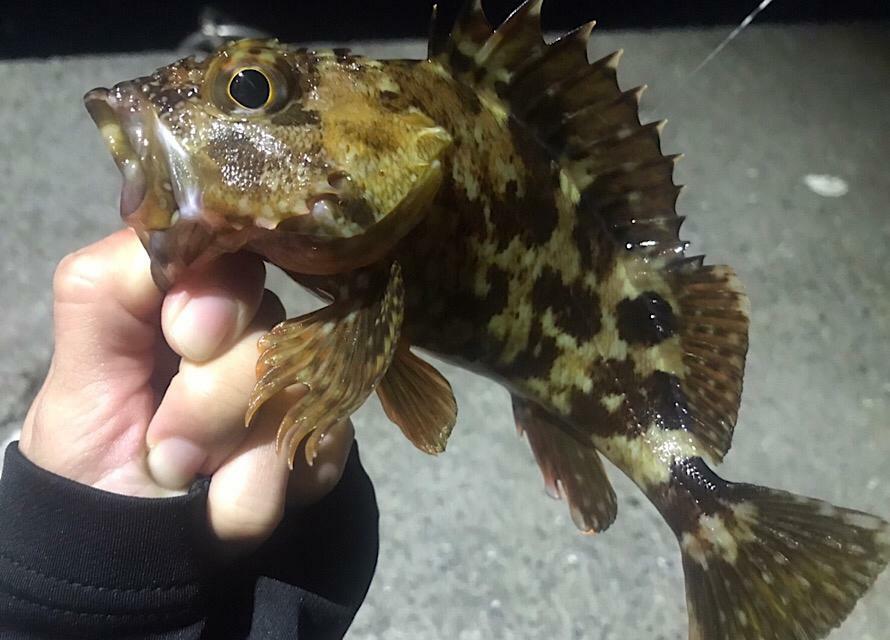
pixel 776 566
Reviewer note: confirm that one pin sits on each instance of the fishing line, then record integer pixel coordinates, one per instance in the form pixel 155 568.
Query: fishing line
pixel 732 36
pixel 677 92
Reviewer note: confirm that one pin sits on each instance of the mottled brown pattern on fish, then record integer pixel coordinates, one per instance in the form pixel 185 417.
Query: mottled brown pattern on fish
pixel 552 313
pixel 505 205
pixel 502 205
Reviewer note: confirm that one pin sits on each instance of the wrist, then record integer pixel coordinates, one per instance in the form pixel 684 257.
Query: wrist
pixel 143 558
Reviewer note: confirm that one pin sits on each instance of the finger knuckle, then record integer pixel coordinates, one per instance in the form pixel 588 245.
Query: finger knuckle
pixel 251 516
pixel 208 387
pixel 77 275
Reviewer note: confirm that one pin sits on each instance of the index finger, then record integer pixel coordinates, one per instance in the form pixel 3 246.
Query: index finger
pixel 105 304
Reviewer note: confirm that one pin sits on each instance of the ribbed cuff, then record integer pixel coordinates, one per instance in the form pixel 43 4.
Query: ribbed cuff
pixel 81 558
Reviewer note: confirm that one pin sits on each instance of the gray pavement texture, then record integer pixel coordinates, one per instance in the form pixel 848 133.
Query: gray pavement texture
pixel 471 546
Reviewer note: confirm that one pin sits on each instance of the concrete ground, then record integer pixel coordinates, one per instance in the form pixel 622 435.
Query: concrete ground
pixel 471 547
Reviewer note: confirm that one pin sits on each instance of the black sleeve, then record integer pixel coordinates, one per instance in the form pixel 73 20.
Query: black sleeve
pixel 77 562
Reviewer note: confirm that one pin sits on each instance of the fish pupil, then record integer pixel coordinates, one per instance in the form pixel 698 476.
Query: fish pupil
pixel 250 88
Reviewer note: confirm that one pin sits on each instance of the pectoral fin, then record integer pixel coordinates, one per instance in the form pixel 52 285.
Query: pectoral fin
pixel 340 352
pixel 569 467
pixel 419 400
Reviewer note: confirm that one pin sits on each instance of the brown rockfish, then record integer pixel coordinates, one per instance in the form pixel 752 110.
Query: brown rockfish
pixel 498 204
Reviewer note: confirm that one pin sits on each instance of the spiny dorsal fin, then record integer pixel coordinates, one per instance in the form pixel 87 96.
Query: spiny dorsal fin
pixel 623 185
pixel 515 41
pixel 438 35
pixel 470 31
pixel 577 110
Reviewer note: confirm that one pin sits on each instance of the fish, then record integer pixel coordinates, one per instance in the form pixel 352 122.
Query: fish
pixel 498 204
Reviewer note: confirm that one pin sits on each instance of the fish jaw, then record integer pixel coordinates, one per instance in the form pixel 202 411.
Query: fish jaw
pixel 109 118
pixel 160 195
pixel 159 183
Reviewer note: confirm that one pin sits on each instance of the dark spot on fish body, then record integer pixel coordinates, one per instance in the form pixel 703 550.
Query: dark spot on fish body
pixel 692 491
pixel 647 319
pixel 538 206
pixel 587 409
pixel 576 310
pixel 611 378
pixel 543 218
pixel 464 217
pixel 665 401
pixel 546 290
pixel 532 217
pixel 581 314
pixel 458 332
pixel 597 250
pixel 479 349
pixel 536 359
pixel 506 217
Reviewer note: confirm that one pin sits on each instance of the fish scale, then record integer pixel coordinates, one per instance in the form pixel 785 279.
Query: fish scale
pixel 501 205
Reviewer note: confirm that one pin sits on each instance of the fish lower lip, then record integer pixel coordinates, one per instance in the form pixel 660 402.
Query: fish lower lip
pixel 173 250
pixel 133 192
pixel 102 109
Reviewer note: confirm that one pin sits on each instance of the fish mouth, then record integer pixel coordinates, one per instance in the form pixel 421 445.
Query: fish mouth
pixel 110 119
pixel 160 197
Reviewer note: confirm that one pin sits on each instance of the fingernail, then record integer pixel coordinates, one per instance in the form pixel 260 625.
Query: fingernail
pixel 203 324
pixel 175 462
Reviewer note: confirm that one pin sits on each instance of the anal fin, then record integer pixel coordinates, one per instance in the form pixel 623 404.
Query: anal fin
pixel 569 467
pixel 419 400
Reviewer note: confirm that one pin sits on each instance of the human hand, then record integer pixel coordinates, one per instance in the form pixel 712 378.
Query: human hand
pixel 122 411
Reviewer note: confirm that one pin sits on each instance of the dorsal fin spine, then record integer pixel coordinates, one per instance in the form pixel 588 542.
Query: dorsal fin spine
pixel 525 18
pixel 438 36
pixel 470 32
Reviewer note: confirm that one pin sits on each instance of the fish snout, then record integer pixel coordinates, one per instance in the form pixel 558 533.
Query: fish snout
pixel 159 196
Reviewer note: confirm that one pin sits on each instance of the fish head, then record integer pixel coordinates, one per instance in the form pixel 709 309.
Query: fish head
pixel 257 144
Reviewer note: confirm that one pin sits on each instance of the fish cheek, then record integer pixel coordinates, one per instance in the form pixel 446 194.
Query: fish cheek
pixel 239 163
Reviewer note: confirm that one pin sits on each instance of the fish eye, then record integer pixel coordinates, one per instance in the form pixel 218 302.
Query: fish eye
pixel 250 88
